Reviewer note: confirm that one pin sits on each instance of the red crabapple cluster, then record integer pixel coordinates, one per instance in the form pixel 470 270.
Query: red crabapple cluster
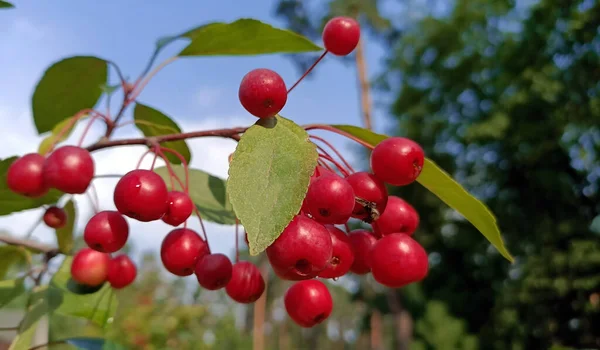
pixel 312 246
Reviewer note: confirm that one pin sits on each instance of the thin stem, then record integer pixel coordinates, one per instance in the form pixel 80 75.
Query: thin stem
pixel 339 132
pixel 325 153
pixel 107 176
pixel 27 243
pixel 156 153
pixel 325 165
pixel 307 71
pixel 237 240
pixel 334 162
pixel 185 166
pixel 142 83
pixel 139 164
pixel 334 150
pixel 6 329
pixel 87 128
pixel 170 169
pixel 93 196
pixel 202 227
pixel 347 227
pixel 34 226
pixel 119 73
pixel 70 125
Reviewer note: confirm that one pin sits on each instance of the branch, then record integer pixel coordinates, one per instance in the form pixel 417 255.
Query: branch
pixel 49 250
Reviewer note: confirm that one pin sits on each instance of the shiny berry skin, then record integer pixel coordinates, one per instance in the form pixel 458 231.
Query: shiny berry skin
pixel 308 303
pixel 213 271
pixel 142 195
pixel 330 200
pixel 319 171
pixel 25 176
pixel 90 267
pixel 69 169
pixel 263 93
pixel 106 232
pixel 397 260
pixel 247 283
pixel 398 217
pixel 362 241
pixel 55 217
pixel 341 35
pixel 121 271
pixel 302 250
pixel 397 161
pixel 180 208
pixel 180 251
pixel 368 187
pixel 342 256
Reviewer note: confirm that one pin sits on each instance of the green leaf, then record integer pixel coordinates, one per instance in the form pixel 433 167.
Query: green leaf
pixel 440 183
pixel 99 306
pixel 6 5
pixel 57 135
pixel 244 37
pixel 268 178
pixel 152 122
pixel 64 235
pixel 67 87
pixel 88 343
pixel 11 202
pixel 10 289
pixel 208 193
pixel 12 255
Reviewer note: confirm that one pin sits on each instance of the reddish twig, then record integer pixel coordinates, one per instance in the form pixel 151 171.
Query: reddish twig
pixel 308 71
pixel 337 153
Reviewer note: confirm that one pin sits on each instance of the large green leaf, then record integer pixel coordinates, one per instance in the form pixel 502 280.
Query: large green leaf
pixel 6 5
pixel 244 37
pixel 152 122
pixel 64 235
pixel 57 135
pixel 12 255
pixel 67 87
pixel 99 306
pixel 10 289
pixel 268 178
pixel 11 202
pixel 448 190
pixel 208 192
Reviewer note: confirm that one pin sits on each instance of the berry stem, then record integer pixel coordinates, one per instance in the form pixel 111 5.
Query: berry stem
pixel 237 240
pixel 308 71
pixel 93 197
pixel 141 83
pixel 339 132
pixel 142 158
pixel 185 166
pixel 73 121
pixel 334 162
pixel 202 226
pixel 170 168
pixel 88 127
pixel 34 226
pixel 347 227
pixel 328 144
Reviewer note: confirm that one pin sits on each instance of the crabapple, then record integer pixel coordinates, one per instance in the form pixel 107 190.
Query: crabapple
pixel 302 250
pixel 180 251
pixel 397 161
pixel 69 169
pixel 342 255
pixel 90 267
pixel 180 208
pixel 398 216
pixel 330 200
pixel 107 231
pixel 397 260
pixel 213 271
pixel 121 271
pixel 263 93
pixel 142 195
pixel 308 303
pixel 55 217
pixel 247 283
pixel 341 35
pixel 368 187
pixel 362 241
pixel 25 176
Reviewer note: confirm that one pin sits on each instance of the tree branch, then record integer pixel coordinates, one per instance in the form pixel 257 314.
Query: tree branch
pixel 49 250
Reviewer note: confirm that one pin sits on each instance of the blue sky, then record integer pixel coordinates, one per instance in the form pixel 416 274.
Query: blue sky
pixel 199 93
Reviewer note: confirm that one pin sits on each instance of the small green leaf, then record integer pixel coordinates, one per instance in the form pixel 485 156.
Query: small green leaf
pixel 10 289
pixel 98 307
pixel 244 37
pixel 64 235
pixel 57 135
pixel 11 202
pixel 440 183
pixel 67 87
pixel 268 178
pixel 208 192
pixel 152 122
pixel 6 5
pixel 12 255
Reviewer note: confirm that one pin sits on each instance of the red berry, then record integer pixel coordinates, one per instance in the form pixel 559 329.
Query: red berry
pixel 341 35
pixel 180 208
pixel 106 232
pixel 397 161
pixel 90 267
pixel 342 256
pixel 362 241
pixel 397 260
pixel 319 171
pixel 398 217
pixel 213 271
pixel 330 200
pixel 25 176
pixel 121 271
pixel 142 195
pixel 302 250
pixel 69 169
pixel 55 217
pixel 369 188
pixel 246 284
pixel 308 303
pixel 263 93
pixel 180 251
